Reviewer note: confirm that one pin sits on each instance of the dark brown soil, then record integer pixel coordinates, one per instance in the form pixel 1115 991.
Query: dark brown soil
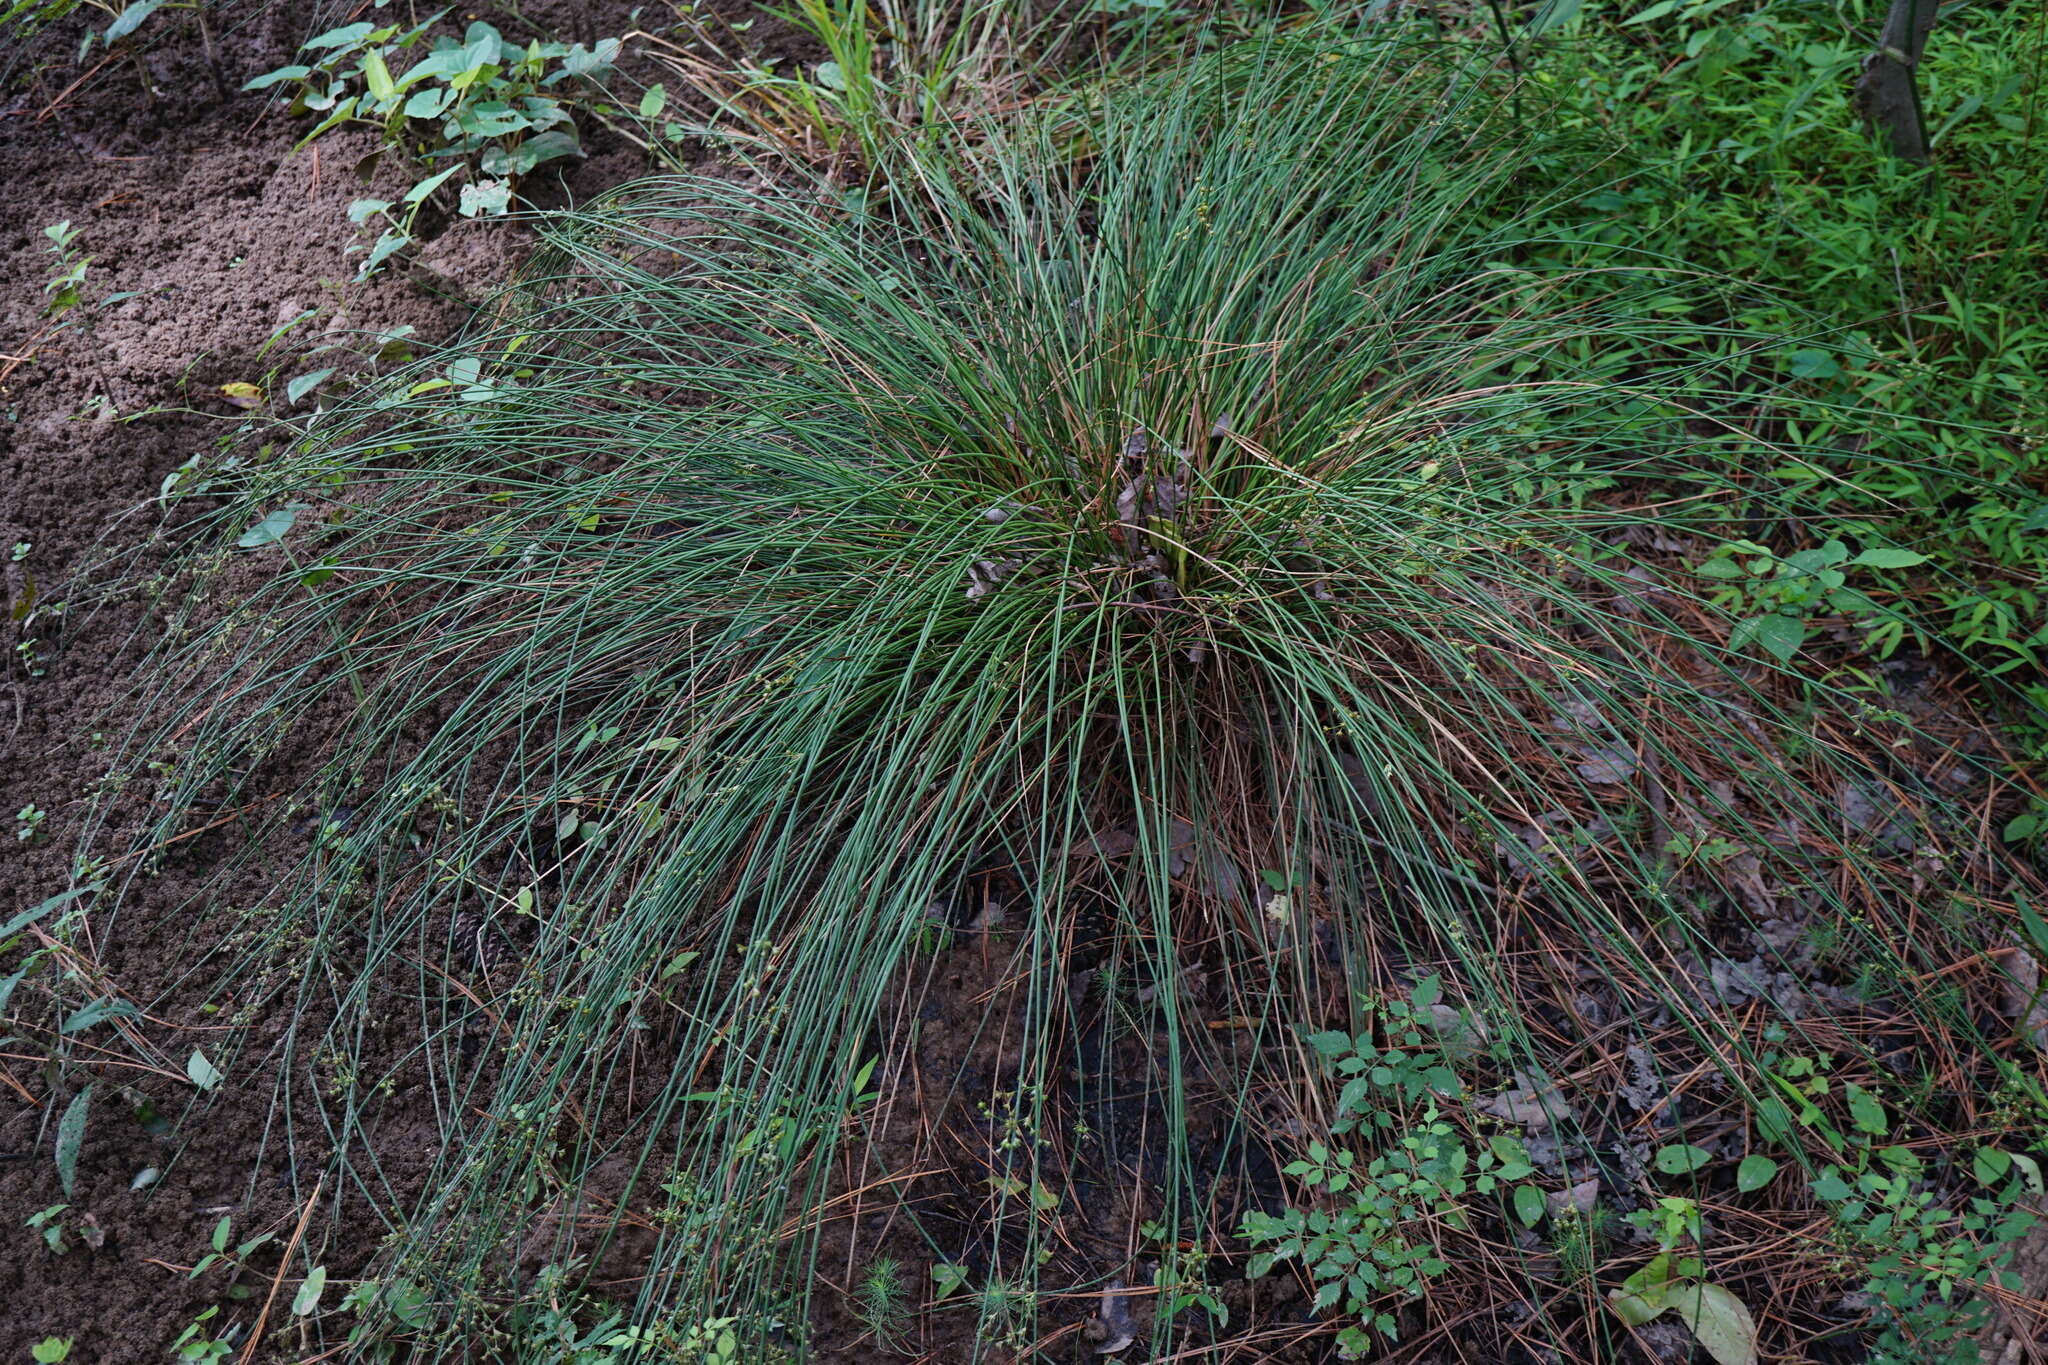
pixel 198 209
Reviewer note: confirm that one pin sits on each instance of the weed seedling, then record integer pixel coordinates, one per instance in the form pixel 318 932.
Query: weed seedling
pixel 197 1344
pixel 1183 1275
pixel 50 1222
pixel 1404 1168
pixel 879 1301
pixel 227 1253
pixel 486 109
pixel 64 290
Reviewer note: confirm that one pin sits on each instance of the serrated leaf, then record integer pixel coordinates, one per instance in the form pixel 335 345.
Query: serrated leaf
pixel 70 1137
pixel 203 1073
pixel 1754 1173
pixel 1331 1044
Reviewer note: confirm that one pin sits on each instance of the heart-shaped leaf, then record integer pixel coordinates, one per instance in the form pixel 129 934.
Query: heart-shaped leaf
pixel 272 528
pixel 1681 1159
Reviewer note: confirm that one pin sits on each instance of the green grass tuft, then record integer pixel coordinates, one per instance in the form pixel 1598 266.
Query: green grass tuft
pixel 1187 522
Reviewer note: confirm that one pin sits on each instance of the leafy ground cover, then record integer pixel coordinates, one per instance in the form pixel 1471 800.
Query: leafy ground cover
pixel 1722 129
pixel 1238 707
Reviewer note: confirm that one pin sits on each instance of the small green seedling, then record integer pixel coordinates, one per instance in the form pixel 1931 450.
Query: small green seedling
pixel 223 1236
pixel 195 1343
pixel 1780 593
pixel 485 109
pixel 879 1301
pixel 64 290
pixel 50 1223
pixel 1394 1163
pixel 1183 1276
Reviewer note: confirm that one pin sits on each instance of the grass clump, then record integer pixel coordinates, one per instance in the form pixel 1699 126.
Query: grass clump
pixel 1189 538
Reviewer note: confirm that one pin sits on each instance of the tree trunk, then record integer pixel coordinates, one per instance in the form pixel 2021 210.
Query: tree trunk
pixel 1886 95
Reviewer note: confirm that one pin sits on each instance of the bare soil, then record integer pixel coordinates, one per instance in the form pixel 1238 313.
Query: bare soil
pixel 198 209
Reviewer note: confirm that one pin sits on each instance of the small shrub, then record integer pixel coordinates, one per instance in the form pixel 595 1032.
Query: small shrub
pixel 494 111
